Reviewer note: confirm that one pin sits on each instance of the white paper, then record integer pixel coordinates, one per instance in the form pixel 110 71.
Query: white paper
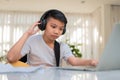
pixel 9 68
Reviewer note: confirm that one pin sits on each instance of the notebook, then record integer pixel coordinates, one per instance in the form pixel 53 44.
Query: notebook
pixel 110 58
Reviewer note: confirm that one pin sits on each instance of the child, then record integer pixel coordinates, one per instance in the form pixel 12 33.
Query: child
pixel 40 48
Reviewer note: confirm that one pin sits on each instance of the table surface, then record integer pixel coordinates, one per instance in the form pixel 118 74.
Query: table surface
pixel 60 74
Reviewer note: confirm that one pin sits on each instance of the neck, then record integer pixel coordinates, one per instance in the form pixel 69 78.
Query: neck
pixel 49 42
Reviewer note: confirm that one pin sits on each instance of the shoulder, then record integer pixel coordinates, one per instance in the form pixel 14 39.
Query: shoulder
pixel 34 38
pixel 65 50
pixel 64 45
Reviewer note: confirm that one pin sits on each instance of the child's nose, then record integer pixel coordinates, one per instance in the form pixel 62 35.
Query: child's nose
pixel 57 31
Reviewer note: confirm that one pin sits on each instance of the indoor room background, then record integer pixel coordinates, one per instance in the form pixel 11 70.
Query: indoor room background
pixel 87 29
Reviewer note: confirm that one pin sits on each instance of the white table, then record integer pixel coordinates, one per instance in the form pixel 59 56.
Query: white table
pixel 59 74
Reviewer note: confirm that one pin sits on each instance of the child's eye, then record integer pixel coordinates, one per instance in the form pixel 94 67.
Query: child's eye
pixel 61 29
pixel 53 26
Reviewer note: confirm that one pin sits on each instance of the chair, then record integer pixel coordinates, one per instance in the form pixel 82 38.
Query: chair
pixel 19 64
pixel 24 59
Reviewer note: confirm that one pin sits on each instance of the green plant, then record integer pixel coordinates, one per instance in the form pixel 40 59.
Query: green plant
pixel 75 51
pixel 3 58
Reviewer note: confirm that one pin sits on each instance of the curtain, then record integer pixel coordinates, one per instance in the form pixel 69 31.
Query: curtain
pixel 97 38
pixel 115 9
pixel 79 32
pixel 13 25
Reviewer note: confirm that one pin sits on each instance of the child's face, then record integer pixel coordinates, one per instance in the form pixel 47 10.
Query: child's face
pixel 54 28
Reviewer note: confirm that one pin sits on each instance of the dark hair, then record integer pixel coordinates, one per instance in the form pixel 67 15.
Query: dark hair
pixel 56 14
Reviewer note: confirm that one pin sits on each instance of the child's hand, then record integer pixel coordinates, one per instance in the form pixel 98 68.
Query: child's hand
pixel 94 63
pixel 33 29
